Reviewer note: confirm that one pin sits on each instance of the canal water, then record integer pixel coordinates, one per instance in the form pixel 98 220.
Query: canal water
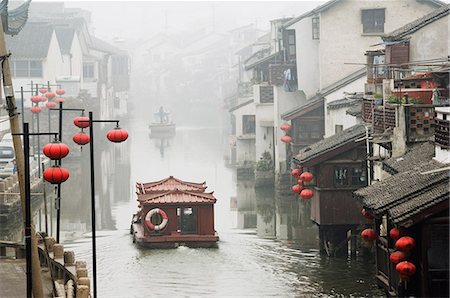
pixel 247 262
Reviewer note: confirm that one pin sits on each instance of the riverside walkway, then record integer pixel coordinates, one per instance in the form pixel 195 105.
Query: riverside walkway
pixel 13 280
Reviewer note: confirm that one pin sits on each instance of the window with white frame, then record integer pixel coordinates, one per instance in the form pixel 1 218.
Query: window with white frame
pixel 26 68
pixel 88 70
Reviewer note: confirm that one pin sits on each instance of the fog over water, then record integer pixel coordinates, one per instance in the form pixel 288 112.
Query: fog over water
pixel 248 262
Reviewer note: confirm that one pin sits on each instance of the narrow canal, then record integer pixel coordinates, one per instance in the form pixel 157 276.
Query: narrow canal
pixel 243 265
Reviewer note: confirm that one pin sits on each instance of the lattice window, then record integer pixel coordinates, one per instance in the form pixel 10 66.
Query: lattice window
pixel 442 133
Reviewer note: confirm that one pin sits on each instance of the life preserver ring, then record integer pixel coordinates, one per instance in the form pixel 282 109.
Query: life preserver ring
pixel 149 223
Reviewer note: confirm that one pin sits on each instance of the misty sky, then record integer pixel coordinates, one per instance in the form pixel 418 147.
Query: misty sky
pixel 140 19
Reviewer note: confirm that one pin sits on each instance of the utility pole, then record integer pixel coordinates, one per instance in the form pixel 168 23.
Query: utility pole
pixel 20 161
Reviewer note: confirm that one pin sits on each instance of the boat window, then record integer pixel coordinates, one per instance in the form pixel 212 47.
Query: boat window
pixel 187 211
pixel 178 211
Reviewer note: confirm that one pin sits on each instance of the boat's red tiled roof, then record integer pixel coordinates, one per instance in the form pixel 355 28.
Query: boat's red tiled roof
pixel 176 196
pixel 169 183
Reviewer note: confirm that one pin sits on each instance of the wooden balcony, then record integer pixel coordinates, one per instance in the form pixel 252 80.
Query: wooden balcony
pixel 276 73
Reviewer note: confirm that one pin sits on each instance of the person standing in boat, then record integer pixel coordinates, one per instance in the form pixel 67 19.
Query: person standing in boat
pixel 163 115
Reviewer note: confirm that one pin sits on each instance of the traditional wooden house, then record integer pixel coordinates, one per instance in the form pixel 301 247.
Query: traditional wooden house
pixel 338 164
pixel 414 201
pixel 174 213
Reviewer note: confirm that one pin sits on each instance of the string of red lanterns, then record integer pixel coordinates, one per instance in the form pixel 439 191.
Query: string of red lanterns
pixel 286 127
pixel 305 177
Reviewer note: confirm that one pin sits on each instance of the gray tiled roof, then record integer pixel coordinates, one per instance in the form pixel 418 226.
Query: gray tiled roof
pixel 409 208
pixel 330 3
pixel 405 194
pixel 65 38
pixel 417 154
pixel 32 42
pixel 331 143
pixel 240 105
pixel 344 102
pixel 326 91
pixel 103 46
pixel 417 24
pixel 355 110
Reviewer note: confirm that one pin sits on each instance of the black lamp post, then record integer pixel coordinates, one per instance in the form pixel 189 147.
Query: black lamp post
pixel 91 151
pixel 26 151
pixel 58 197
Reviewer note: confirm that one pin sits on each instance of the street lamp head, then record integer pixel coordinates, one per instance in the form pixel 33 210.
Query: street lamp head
pixel 50 104
pixel 35 98
pixel 56 175
pixel 49 95
pixel 55 150
pixel 81 138
pixel 60 91
pixel 117 135
pixel 36 109
pixel 81 121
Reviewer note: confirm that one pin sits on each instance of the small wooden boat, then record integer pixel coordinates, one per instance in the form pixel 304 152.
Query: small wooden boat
pixel 174 213
pixel 163 124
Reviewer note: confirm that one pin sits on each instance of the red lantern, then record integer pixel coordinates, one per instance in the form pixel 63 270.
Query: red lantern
pixel 56 175
pixel 286 139
pixel 295 173
pixel 117 135
pixel 55 150
pixel 81 138
pixel 59 99
pixel 406 269
pixel 43 98
pixel 60 91
pixel 300 182
pixel 35 109
pixel 49 95
pixel 395 233
pixel 83 124
pixel 35 98
pixel 297 189
pixel 369 235
pixel 42 90
pixel 285 127
pixel 50 104
pixel 405 243
pixel 306 194
pixel 306 176
pixel 397 257
pixel 366 214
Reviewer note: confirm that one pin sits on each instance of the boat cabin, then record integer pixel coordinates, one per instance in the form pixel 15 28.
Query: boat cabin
pixel 174 213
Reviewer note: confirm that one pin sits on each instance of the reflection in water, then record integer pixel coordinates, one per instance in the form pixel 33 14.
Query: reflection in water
pixel 161 142
pixel 245 264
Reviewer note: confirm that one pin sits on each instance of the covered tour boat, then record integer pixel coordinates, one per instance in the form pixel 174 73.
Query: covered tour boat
pixel 174 213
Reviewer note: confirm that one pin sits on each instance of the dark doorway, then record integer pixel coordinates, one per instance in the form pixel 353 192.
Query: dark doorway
pixel 188 221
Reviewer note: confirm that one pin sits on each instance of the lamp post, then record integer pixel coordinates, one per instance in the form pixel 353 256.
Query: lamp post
pixel 119 138
pixel 28 229
pixel 58 197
